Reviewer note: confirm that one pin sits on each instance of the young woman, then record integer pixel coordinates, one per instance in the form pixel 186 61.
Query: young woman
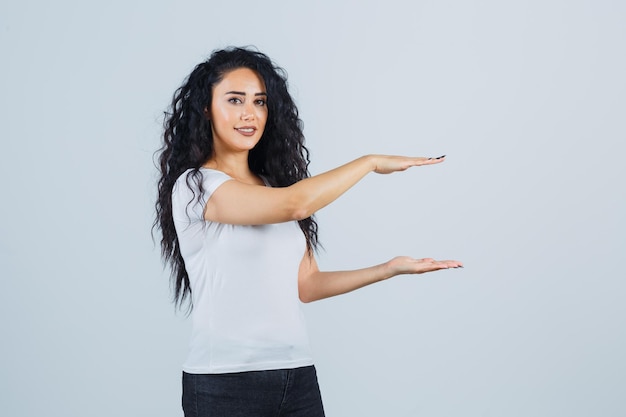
pixel 235 207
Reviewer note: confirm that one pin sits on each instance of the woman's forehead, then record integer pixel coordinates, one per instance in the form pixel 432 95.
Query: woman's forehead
pixel 241 79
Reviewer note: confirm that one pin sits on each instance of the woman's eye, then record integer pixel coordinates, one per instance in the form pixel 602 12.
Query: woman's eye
pixel 260 102
pixel 234 100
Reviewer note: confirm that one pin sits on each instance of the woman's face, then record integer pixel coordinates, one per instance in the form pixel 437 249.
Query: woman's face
pixel 238 111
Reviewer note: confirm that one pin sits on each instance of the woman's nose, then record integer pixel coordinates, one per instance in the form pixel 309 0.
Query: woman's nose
pixel 247 113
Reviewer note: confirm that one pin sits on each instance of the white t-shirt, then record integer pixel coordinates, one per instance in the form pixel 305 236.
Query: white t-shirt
pixel 244 284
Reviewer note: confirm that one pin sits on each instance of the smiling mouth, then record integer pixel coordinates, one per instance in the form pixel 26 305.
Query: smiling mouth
pixel 246 131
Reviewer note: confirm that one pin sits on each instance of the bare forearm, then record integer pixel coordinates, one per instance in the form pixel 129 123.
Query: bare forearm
pixel 236 202
pixel 314 193
pixel 315 285
pixel 320 285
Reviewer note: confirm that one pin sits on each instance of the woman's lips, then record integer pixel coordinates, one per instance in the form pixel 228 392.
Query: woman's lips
pixel 246 131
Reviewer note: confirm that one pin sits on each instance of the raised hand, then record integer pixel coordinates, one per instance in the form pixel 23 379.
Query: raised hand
pixel 386 164
pixel 407 265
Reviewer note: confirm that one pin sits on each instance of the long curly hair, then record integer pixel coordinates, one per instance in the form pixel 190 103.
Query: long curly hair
pixel 280 156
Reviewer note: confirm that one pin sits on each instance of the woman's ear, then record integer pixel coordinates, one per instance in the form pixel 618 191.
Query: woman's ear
pixel 206 114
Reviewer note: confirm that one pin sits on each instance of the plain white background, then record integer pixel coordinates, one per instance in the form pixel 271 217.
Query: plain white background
pixel 527 99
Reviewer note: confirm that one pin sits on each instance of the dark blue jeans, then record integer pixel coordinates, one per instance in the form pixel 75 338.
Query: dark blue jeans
pixel 273 393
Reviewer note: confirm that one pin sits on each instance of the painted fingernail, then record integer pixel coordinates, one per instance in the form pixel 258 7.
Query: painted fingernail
pixel 439 157
pixel 429 159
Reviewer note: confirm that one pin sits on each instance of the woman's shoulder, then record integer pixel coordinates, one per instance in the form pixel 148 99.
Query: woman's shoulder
pixel 203 175
pixel 213 172
pixel 203 180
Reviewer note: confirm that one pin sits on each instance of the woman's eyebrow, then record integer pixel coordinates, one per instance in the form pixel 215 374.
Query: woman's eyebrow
pixel 241 93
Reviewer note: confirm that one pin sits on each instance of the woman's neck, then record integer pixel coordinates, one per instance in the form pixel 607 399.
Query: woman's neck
pixel 235 166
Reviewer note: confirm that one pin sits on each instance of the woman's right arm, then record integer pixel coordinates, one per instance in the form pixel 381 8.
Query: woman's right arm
pixel 235 202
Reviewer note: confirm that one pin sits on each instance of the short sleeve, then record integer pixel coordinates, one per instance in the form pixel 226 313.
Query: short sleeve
pixel 187 201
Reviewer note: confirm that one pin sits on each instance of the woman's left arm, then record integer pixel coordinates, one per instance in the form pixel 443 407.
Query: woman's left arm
pixel 314 284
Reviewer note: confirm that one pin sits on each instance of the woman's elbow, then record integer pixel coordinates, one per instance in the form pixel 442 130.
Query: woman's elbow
pixel 306 297
pixel 301 213
pixel 305 292
pixel 300 208
pixel 305 300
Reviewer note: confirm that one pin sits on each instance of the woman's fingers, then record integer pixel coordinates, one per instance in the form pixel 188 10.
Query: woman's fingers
pixel 386 164
pixel 408 265
pixel 433 161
